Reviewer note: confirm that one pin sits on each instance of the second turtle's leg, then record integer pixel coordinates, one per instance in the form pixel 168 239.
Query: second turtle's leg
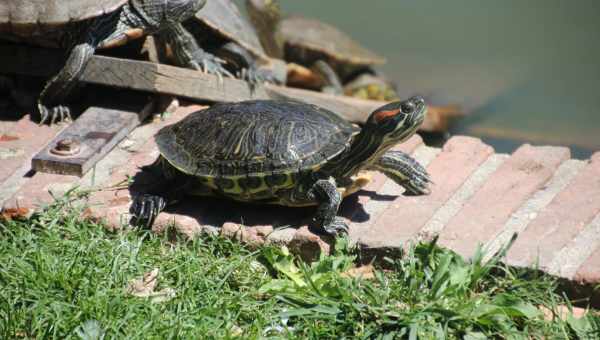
pixel 404 170
pixel 58 88
pixel 333 84
pixel 241 61
pixel 188 53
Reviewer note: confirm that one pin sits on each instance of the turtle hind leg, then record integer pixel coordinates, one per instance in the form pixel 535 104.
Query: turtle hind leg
pixel 405 171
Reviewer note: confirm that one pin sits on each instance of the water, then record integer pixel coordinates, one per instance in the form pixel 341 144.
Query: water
pixel 528 71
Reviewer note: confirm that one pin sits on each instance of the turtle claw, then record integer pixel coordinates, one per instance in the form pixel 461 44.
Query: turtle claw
pixel 418 181
pixel 56 114
pixel 145 208
pixel 211 64
pixel 252 76
pixel 337 227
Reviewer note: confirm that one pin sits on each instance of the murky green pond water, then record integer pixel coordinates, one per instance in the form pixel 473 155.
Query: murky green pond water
pixel 528 70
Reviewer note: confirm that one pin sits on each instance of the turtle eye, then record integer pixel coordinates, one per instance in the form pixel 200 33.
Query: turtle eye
pixel 407 107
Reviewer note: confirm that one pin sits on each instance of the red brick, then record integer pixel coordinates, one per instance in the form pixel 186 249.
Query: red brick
pixel 559 222
pixel 23 138
pixel 308 245
pixel 406 215
pixel 589 272
pixel 509 187
pixel 34 192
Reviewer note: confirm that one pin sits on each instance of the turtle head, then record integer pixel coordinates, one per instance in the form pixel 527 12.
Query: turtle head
pixel 397 121
pixel 387 126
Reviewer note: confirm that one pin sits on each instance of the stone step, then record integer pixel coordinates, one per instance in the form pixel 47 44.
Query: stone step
pixel 486 212
pixel 550 240
pixel 478 197
pixel 404 216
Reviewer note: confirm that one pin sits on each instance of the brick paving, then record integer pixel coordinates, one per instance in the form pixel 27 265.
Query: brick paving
pixel 479 197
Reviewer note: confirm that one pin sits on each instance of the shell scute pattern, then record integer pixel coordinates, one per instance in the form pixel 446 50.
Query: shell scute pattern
pixel 254 138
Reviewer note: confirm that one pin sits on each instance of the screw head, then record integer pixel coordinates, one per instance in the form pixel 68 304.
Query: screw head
pixel 66 147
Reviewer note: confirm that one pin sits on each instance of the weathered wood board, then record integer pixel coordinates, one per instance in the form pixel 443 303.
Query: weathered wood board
pixel 195 85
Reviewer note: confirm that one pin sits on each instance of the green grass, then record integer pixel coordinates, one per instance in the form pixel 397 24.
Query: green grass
pixel 65 277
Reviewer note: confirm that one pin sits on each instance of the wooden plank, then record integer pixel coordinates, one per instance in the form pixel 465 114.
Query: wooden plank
pixel 93 134
pixel 191 84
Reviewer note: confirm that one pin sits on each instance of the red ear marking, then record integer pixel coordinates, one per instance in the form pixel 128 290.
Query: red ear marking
pixel 381 115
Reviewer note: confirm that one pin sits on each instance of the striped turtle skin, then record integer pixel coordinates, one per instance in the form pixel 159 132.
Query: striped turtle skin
pixel 281 152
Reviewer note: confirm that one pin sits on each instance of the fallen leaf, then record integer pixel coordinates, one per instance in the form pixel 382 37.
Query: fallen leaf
pixel 561 312
pixel 144 287
pixel 366 272
pixel 10 214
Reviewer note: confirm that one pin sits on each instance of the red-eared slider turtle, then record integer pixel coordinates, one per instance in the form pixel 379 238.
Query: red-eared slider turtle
pixel 311 43
pixel 82 26
pixel 221 30
pixel 281 152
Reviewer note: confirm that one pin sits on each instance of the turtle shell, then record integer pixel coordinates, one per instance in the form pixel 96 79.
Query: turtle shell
pixel 53 12
pixel 254 138
pixel 224 17
pixel 316 36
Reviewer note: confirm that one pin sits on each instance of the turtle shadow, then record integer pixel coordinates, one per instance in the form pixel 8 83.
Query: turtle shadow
pixel 215 211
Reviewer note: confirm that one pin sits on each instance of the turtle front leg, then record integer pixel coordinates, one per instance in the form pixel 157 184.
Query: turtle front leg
pixel 188 53
pixel 60 86
pixel 323 192
pixel 405 171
